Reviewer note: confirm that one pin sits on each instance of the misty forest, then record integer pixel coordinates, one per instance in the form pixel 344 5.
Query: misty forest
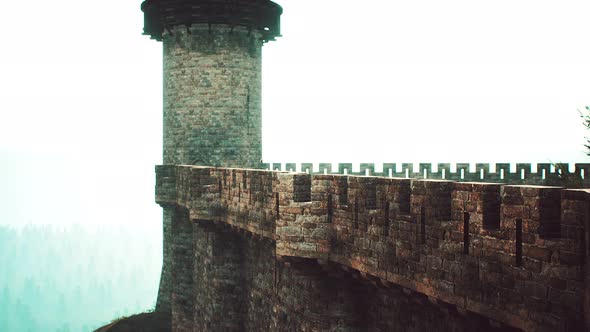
pixel 74 278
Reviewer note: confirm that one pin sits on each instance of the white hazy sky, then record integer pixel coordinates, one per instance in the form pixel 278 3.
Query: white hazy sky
pixel 349 81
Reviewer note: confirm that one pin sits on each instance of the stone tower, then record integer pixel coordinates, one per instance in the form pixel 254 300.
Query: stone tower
pixel 212 87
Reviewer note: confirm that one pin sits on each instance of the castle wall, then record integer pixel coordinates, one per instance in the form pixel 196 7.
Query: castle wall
pixel 512 254
pixel 182 265
pixel 212 108
pixel 218 288
pixel 165 288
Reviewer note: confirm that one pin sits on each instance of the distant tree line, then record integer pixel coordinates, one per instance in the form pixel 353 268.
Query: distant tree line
pixel 74 279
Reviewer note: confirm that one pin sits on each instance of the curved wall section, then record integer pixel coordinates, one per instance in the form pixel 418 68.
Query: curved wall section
pixel 212 96
pixel 261 15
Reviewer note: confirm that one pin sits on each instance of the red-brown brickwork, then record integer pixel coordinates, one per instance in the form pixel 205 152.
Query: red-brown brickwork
pixel 513 254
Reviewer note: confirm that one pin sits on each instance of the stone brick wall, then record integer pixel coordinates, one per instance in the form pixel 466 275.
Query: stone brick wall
pixel 212 107
pixel 212 96
pixel 492 255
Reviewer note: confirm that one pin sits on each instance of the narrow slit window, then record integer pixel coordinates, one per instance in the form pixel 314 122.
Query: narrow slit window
pixel 356 213
pixel 518 242
pixel 386 217
pixel 277 205
pixel 330 212
pixel 466 233
pixel 422 225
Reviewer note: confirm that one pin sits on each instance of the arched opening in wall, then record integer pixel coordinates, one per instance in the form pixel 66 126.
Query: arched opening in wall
pixel 388 307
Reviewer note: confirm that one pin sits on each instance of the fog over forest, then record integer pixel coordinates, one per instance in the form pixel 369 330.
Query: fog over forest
pixel 349 81
pixel 73 279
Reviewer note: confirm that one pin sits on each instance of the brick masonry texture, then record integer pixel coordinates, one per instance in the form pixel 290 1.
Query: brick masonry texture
pixel 212 108
pixel 256 250
pixel 212 96
pixel 292 251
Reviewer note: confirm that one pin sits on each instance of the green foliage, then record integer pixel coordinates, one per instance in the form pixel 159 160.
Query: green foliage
pixel 565 178
pixel 585 115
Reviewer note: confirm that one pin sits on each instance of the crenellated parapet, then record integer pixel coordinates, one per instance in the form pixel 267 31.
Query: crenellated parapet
pixel 515 254
pixel 519 173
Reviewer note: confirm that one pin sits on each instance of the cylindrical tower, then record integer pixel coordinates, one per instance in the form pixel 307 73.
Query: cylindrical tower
pixel 212 87
pixel 212 77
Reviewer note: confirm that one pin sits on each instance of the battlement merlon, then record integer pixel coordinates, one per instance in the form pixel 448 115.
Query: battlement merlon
pixel 261 15
pixel 557 174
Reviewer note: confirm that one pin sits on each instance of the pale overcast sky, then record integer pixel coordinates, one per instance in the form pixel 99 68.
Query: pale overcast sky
pixel 349 81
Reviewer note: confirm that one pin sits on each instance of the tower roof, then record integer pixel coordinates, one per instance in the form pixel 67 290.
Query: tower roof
pixel 261 15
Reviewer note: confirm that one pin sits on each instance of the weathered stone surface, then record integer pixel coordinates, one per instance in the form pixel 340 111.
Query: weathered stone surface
pixel 512 278
pixel 253 250
pixel 212 95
